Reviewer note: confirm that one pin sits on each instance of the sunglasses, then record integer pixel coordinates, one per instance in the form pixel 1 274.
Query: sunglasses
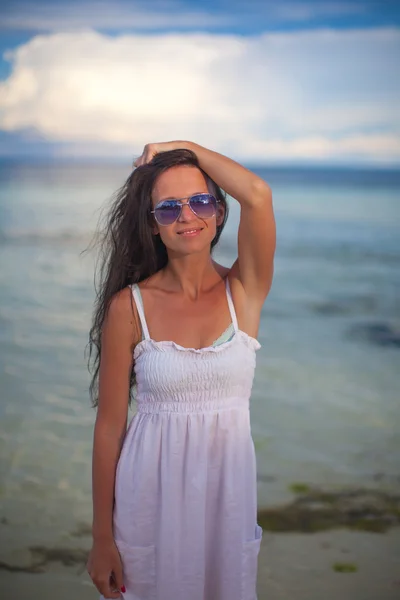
pixel 203 206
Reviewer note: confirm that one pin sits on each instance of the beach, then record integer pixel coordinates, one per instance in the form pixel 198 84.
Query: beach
pixel 324 543
pixel 292 566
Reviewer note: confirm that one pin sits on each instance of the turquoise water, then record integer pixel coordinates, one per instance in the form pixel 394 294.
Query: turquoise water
pixel 325 405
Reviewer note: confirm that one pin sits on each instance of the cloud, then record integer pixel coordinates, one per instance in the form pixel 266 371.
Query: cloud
pixel 302 95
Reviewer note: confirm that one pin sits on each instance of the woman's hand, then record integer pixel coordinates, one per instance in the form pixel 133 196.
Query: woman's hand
pixel 105 568
pixel 150 150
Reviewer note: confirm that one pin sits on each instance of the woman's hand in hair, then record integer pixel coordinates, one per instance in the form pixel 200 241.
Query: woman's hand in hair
pixel 150 150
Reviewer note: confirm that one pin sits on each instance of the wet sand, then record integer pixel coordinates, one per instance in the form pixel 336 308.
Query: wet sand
pixel 301 566
pixel 292 566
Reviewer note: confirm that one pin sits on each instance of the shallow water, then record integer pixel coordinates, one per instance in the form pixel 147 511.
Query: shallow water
pixel 325 404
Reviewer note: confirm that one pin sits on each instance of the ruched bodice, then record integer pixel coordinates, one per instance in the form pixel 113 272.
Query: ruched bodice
pixel 185 513
pixel 173 378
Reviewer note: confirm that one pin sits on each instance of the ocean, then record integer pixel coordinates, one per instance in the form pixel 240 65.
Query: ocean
pixel 325 407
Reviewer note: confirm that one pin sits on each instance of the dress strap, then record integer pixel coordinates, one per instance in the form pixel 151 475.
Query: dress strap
pixel 139 305
pixel 231 306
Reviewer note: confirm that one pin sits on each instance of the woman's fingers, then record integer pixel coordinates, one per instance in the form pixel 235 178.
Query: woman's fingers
pixel 117 575
pixel 144 158
pixel 149 152
pixel 107 587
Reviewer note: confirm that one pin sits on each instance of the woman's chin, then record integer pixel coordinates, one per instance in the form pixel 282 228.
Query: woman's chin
pixel 189 245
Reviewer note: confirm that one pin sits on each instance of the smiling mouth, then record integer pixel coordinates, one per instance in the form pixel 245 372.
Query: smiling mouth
pixel 190 232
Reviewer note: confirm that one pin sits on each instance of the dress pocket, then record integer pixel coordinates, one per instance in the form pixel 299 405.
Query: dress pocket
pixel 139 571
pixel 250 553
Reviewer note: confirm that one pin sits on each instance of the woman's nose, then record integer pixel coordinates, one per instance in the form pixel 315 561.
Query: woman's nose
pixel 186 213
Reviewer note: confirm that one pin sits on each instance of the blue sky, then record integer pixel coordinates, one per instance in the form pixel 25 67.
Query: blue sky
pixel 284 81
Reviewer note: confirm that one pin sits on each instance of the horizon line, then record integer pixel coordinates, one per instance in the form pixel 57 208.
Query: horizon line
pixel 109 161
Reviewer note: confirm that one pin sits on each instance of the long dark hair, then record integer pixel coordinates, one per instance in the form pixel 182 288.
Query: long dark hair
pixel 128 250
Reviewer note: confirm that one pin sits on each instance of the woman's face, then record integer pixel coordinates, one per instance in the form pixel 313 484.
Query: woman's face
pixel 189 233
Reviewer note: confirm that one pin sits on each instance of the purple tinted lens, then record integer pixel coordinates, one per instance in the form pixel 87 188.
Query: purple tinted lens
pixel 203 205
pixel 168 212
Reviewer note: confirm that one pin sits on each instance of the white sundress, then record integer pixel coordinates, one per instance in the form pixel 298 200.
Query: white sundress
pixel 185 512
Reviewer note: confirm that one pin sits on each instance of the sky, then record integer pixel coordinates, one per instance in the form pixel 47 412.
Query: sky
pixel 288 82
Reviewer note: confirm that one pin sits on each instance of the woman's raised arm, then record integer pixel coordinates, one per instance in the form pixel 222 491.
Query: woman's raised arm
pixel 257 234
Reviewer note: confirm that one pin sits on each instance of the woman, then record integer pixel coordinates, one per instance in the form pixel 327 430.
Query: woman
pixel 174 495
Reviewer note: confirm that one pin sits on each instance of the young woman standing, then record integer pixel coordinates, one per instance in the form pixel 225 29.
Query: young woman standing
pixel 175 493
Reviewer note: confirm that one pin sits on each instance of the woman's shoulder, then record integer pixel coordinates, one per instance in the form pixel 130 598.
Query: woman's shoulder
pixel 247 310
pixel 122 310
pixel 121 301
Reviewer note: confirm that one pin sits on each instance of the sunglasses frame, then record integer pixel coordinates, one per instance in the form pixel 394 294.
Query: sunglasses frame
pixel 182 204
